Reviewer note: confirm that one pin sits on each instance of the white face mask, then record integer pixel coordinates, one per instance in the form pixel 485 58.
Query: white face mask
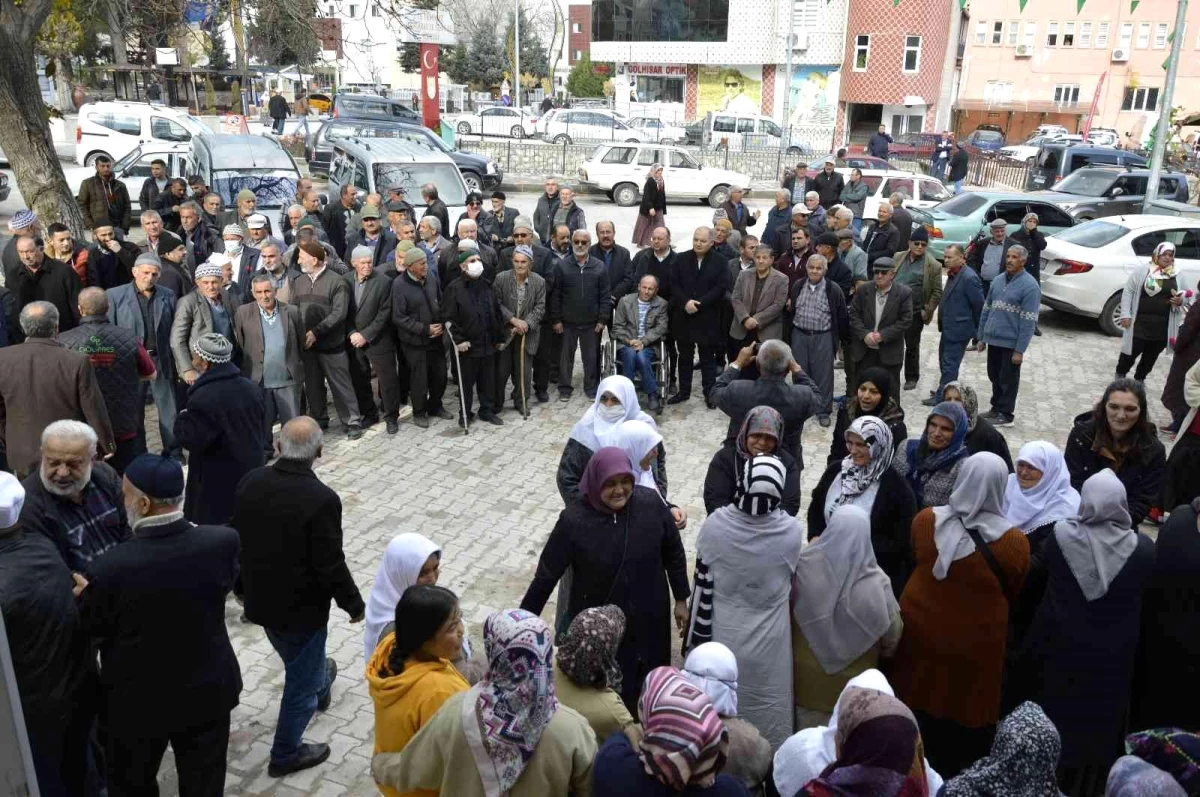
pixel 233 248
pixel 611 413
pixel 475 269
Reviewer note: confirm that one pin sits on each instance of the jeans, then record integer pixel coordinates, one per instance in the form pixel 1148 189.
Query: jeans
pixel 958 187
pixel 856 225
pixel 641 362
pixel 1005 377
pixel 950 357
pixel 277 125
pixel 303 654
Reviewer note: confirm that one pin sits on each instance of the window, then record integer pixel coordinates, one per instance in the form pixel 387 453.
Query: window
pixel 1066 94
pixel 376 11
pixel 1085 34
pixel 578 56
pixel 724 124
pixel 1030 34
pixel 1185 241
pixel 648 157
pixel 745 124
pixel 1068 39
pixel 648 21
pixel 576 27
pixel 118 122
pixel 904 184
pixel 660 89
pixel 1125 39
pixel 360 176
pixel 619 155
pixel 1101 35
pixel 1143 39
pixel 352 11
pixel 1052 35
pixel 997 32
pixel 862 52
pixel 681 160
pixel 997 91
pixel 329 10
pixel 1160 36
pixel 166 130
pixel 912 53
pixel 1014 32
pixel 1140 99
pixel 768 128
pixel 981 32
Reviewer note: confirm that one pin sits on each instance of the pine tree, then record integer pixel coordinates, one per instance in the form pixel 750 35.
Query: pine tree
pixel 583 80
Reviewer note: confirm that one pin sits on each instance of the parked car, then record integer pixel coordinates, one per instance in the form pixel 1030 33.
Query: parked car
pixel 1103 137
pixel 371 106
pixel 498 121
pixel 657 130
pixel 986 138
pixel 478 172
pixel 620 171
pixel 1055 160
pixel 852 161
pixel 922 190
pixel 738 131
pixel 1028 151
pixel 1085 268
pixel 571 124
pixel 959 219
pixel 116 128
pixel 228 164
pixel 1097 191
pixel 1050 131
pixel 379 164
pixel 134 168
pixel 320 102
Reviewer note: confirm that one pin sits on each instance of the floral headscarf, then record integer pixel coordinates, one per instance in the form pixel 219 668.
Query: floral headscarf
pixel 655 172
pixel 1172 750
pixel 922 463
pixel 1133 777
pixel 1022 763
pixel 760 420
pixel 970 402
pixel 855 479
pixel 1158 272
pixel 588 653
pixel 505 714
pixel 685 740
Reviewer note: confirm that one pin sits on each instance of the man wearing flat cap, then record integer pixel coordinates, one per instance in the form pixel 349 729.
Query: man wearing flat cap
pixel 222 429
pixel 989 254
pixel 256 228
pixel 921 272
pixel 373 236
pixel 206 309
pixel 157 606
pixel 880 314
pixel 247 203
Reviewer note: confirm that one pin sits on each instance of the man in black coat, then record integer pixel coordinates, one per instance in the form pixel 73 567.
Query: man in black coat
pixel 435 207
pixel 45 280
pixel 475 325
pixel 616 259
pixel 111 259
pixel 277 109
pixel 372 235
pixel 290 525
pixel 371 340
pixel 582 307
pixel 882 238
pixel 829 184
pixel 335 218
pixel 156 605
pixel 222 429
pixel 658 260
pixel 699 279
pixel 901 219
pixel 501 218
pixel 416 317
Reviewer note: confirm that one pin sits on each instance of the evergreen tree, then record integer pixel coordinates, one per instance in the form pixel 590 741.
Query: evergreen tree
pixel 583 80
pixel 533 54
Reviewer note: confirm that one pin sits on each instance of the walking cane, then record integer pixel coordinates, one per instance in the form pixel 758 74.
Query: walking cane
pixel 524 398
pixel 462 397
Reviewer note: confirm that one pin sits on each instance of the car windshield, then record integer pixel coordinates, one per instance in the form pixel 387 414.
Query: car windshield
pixel 1087 182
pixel 680 158
pixel 273 188
pixel 127 161
pixel 962 205
pixel 988 135
pixel 414 175
pixel 1092 234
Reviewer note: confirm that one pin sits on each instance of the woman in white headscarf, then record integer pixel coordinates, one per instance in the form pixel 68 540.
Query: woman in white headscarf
pixel 971 563
pixel 805 755
pixel 1154 301
pixel 643 445
pixel 1039 494
pixel 713 668
pixel 1077 658
pixel 845 617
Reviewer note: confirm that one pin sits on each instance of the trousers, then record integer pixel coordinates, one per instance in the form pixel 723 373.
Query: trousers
pixel 335 367
pixel 814 355
pixel 508 365
pixel 382 362
pixel 477 374
pixel 639 362
pixel 1005 378
pixel 426 377
pixel 708 364
pixel 282 404
pixel 950 357
pixel 545 364
pixel 1146 352
pixel 135 753
pixel 912 348
pixel 163 390
pixel 305 681
pixel 588 340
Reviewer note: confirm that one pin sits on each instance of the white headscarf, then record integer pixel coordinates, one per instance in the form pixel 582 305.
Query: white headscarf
pixel 805 755
pixel 406 554
pixel 592 431
pixel 1050 500
pixel 977 502
pixel 1097 544
pixel 844 601
pixel 637 439
pixel 713 668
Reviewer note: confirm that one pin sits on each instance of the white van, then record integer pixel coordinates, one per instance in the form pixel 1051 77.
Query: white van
pixel 117 128
pixel 737 131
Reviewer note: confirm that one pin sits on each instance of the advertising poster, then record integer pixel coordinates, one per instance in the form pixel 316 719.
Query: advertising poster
pixel 732 89
pixel 814 97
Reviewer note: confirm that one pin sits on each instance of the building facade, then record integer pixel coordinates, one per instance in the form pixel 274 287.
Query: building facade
pixel 1048 63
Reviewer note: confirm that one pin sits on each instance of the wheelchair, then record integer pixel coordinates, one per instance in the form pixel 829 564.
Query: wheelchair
pixel 610 364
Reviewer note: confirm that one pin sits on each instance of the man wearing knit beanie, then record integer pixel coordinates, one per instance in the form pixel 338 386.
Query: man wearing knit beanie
pixel 24 224
pixel 416 314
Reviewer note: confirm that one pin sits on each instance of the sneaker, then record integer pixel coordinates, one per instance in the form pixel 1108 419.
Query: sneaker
pixel 1003 419
pixel 910 384
pixel 542 396
pixel 354 432
pixel 824 421
pixel 421 421
pixel 405 411
pixel 330 673
pixel 307 756
pixel 991 416
pixel 393 426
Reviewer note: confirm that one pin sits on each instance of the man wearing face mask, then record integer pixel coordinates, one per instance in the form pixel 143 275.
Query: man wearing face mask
pixel 474 322
pixel 242 258
pixel 582 307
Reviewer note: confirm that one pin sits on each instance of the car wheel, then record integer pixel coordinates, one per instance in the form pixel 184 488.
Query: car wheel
pixel 90 160
pixel 562 138
pixel 474 182
pixel 517 132
pixel 794 152
pixel 464 129
pixel 625 194
pixel 632 140
pixel 1109 316
pixel 718 196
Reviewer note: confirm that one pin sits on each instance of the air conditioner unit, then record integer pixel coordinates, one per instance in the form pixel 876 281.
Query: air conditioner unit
pixel 1120 54
pixel 800 40
pixel 1024 50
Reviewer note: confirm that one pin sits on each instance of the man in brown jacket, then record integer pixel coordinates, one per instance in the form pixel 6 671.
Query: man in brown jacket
pixel 41 381
pixel 102 197
pixel 270 335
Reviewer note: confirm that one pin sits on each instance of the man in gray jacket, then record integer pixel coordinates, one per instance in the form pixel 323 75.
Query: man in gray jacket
pixel 271 337
pixel 639 323
pixel 522 297
pixel 206 309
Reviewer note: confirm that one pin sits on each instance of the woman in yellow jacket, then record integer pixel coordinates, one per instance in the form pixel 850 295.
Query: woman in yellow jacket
pixel 410 675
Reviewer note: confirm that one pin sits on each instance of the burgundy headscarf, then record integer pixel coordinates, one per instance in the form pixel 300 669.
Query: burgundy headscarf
pixel 604 464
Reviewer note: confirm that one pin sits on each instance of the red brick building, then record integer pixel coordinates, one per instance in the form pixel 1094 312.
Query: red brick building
pixel 579 32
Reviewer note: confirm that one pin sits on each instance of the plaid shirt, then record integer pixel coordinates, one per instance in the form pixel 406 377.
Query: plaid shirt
pixel 91 528
pixel 812 308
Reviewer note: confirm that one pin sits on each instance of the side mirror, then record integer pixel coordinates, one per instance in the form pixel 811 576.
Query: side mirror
pixel 1116 192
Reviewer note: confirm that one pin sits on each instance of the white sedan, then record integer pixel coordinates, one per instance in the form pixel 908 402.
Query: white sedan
pixel 620 171
pixel 1084 268
pixel 497 121
pixel 657 130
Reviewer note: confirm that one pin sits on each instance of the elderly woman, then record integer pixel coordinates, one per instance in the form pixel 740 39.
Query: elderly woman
pixel 866 479
pixel 761 433
pixel 872 396
pixel 981 434
pixel 746 553
pixel 845 615
pixel 970 562
pixel 652 208
pixel 586 675
pixel 643 446
pixel 714 668
pixel 1155 299
pixel 1117 434
pixel 508 734
pixel 1077 658
pixel 1039 494
pixel 624 548
pixel 931 464
pixel 1022 761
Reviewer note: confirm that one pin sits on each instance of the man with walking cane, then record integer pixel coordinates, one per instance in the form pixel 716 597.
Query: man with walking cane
pixel 522 298
pixel 469 306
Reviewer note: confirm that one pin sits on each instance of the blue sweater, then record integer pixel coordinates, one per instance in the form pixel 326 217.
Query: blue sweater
pixel 1010 312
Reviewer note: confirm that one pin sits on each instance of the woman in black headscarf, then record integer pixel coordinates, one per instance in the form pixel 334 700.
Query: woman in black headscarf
pixel 872 396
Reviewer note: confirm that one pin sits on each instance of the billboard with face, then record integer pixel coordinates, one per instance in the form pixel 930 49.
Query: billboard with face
pixel 729 89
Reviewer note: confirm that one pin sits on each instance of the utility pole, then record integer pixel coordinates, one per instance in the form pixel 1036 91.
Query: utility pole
pixel 789 44
pixel 517 54
pixel 1163 131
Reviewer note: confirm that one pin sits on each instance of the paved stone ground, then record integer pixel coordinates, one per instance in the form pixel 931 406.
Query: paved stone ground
pixel 489 498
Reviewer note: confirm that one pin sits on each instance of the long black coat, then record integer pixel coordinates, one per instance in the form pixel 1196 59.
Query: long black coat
pixel 705 281
pixel 720 483
pixel 471 308
pixel 627 559
pixel 1142 470
pixel 986 437
pixel 222 429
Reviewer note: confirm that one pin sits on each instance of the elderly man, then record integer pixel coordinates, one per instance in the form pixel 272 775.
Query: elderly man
pixel 794 260
pixel 778 216
pixel 242 258
pixel 173 256
pixel 545 265
pixel 639 324
pixel 501 218
pixel 723 247
pixel 336 218
pixel 371 341
pixel 416 316
pixel 758 298
pixel 568 212
pixel 291 218
pixel 42 381
pixel 959 310
pixel 1006 326
pixel 270 335
pixel 396 203
pixel 153 185
pixel 434 207
pixel 921 272
pixel 816 214
pixel 400 221
pixel 371 200
pixel 73 498
pixel 288 223
pixel 828 184
pixel 826 245
pixel 273 266
pixel 381 242
pixel 102 197
pixel 152 225
pixel 880 314
pixel 547 207
pixel 582 304
pixel 901 218
pixel 429 230
pixel 882 239
pixel 467 230
pixel 616 258
pixel 782 242
pixel 222 428
pixel 44 280
pixel 739 215
pixel 109 259
pixel 202 239
pixel 23 224
pixel 204 310
pixel 164 590
pixel 658 261
pixel 473 321
pixel 246 205
pixel 121 365
pixel 852 255
pixel 989 256
pixel 699 280
pixel 522 297
pixel 308 229
pixel 795 400
pixel 819 321
pixel 258 232
pixel 292 565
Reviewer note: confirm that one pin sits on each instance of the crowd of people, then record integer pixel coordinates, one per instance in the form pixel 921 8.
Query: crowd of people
pixel 947 620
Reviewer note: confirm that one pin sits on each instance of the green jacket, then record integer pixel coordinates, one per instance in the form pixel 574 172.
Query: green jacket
pixel 931 284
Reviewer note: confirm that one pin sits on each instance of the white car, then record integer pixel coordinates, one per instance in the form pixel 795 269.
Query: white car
pixel 116 128
pixel 496 121
pixel 620 170
pixel 658 130
pixel 1084 268
pixel 571 124
pixel 1103 138
pixel 922 190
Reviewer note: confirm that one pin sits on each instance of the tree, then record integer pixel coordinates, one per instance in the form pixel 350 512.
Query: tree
pixel 583 80
pixel 218 56
pixel 454 62
pixel 59 40
pixel 533 55
pixel 483 64
pixel 280 33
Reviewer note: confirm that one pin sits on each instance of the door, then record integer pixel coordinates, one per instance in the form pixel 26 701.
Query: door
pixel 682 176
pixel 1125 195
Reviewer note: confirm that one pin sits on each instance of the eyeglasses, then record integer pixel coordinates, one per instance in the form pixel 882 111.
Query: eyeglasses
pixel 918 243
pixel 731 84
pixel 475 204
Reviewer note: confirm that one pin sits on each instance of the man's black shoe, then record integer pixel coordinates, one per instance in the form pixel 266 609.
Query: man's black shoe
pixel 306 757
pixel 679 398
pixel 393 426
pixel 354 432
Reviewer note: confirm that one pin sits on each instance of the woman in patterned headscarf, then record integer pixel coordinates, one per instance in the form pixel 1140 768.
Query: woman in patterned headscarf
pixel 586 674
pixel 931 463
pixel 1022 762
pixel 865 479
pixel 1154 301
pixel 761 433
pixel 482 742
